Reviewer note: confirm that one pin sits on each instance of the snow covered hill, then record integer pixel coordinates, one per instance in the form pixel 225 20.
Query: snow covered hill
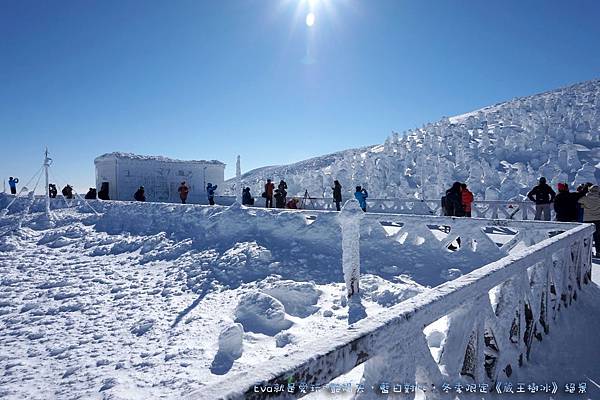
pixel 500 151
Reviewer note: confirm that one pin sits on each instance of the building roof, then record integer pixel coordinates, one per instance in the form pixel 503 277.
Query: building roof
pixel 130 156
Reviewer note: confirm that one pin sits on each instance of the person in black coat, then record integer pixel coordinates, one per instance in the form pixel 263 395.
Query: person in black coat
pixel 337 194
pixel 140 195
pixel 247 199
pixel 565 204
pixel 452 201
pixel 542 195
pixel 67 192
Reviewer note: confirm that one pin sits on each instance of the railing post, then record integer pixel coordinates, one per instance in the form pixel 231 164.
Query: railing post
pixel 349 219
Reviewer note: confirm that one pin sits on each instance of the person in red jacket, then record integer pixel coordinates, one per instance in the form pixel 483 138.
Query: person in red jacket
pixel 268 194
pixel 466 199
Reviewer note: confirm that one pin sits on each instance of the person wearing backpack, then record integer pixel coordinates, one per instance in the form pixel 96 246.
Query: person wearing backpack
pixel 542 195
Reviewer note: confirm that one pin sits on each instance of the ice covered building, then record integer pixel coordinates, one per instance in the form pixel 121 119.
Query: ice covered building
pixel 160 176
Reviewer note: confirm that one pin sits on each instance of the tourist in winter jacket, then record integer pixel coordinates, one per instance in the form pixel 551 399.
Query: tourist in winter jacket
pixel 542 195
pixel 453 201
pixel 247 199
pixel 283 189
pixel 91 194
pixel 12 182
pixel 591 212
pixel 140 194
pixel 361 195
pixel 279 198
pixel 67 192
pixel 210 192
pixel 565 204
pixel 268 193
pixel 466 199
pixel 183 190
pixel 337 194
pixel 52 191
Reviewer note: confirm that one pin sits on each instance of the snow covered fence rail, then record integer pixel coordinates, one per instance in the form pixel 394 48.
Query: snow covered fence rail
pixel 494 209
pixel 493 316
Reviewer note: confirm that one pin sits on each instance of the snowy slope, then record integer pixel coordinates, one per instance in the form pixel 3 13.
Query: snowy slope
pixel 500 151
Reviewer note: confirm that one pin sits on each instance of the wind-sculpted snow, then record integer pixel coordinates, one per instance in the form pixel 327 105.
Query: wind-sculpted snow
pixel 141 299
pixel 500 151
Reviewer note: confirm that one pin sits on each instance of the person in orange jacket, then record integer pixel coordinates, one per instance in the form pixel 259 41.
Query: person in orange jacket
pixel 467 199
pixel 268 193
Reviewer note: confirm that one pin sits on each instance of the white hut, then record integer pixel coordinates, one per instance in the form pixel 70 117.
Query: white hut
pixel 160 176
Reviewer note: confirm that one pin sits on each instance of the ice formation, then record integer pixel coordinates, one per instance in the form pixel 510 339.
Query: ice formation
pixel 500 151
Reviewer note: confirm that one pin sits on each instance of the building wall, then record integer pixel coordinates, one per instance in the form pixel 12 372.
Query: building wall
pixel 160 179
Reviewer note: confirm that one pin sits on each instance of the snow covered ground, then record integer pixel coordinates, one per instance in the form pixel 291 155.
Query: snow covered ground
pixel 157 300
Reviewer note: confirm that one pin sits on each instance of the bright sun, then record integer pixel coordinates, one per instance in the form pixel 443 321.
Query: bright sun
pixel 310 19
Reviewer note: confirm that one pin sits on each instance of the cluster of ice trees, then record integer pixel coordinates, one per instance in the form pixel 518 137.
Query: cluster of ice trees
pixel 499 151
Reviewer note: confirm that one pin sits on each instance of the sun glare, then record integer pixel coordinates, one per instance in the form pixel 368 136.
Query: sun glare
pixel 310 19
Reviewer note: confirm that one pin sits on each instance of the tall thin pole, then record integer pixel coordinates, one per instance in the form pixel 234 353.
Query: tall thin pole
pixel 238 181
pixel 46 166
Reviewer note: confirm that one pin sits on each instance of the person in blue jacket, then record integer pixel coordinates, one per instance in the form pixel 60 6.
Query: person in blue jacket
pixel 361 195
pixel 12 182
pixel 210 191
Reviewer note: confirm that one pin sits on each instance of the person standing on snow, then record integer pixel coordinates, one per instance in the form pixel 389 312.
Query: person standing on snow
pixel 247 199
pixel 337 194
pixel 68 192
pixel 140 194
pixel 12 182
pixel 466 199
pixel 283 190
pixel 361 195
pixel 542 195
pixel 210 191
pixel 183 192
pixel 268 193
pixel 591 212
pixel 52 191
pixel 565 204
pixel 452 202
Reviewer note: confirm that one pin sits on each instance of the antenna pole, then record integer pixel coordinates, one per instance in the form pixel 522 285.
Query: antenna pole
pixel 46 166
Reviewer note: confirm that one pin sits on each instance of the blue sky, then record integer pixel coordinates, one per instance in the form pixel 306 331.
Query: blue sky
pixel 212 79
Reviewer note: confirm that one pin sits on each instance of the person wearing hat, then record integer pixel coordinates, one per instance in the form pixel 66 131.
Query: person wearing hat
pixel 542 195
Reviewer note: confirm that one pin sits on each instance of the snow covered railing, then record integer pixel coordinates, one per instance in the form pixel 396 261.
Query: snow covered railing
pixel 494 209
pixel 475 329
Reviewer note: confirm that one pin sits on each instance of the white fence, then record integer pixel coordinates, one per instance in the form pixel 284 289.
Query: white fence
pixel 493 209
pixel 495 315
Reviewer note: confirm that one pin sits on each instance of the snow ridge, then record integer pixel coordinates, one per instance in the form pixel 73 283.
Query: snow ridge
pixel 500 151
